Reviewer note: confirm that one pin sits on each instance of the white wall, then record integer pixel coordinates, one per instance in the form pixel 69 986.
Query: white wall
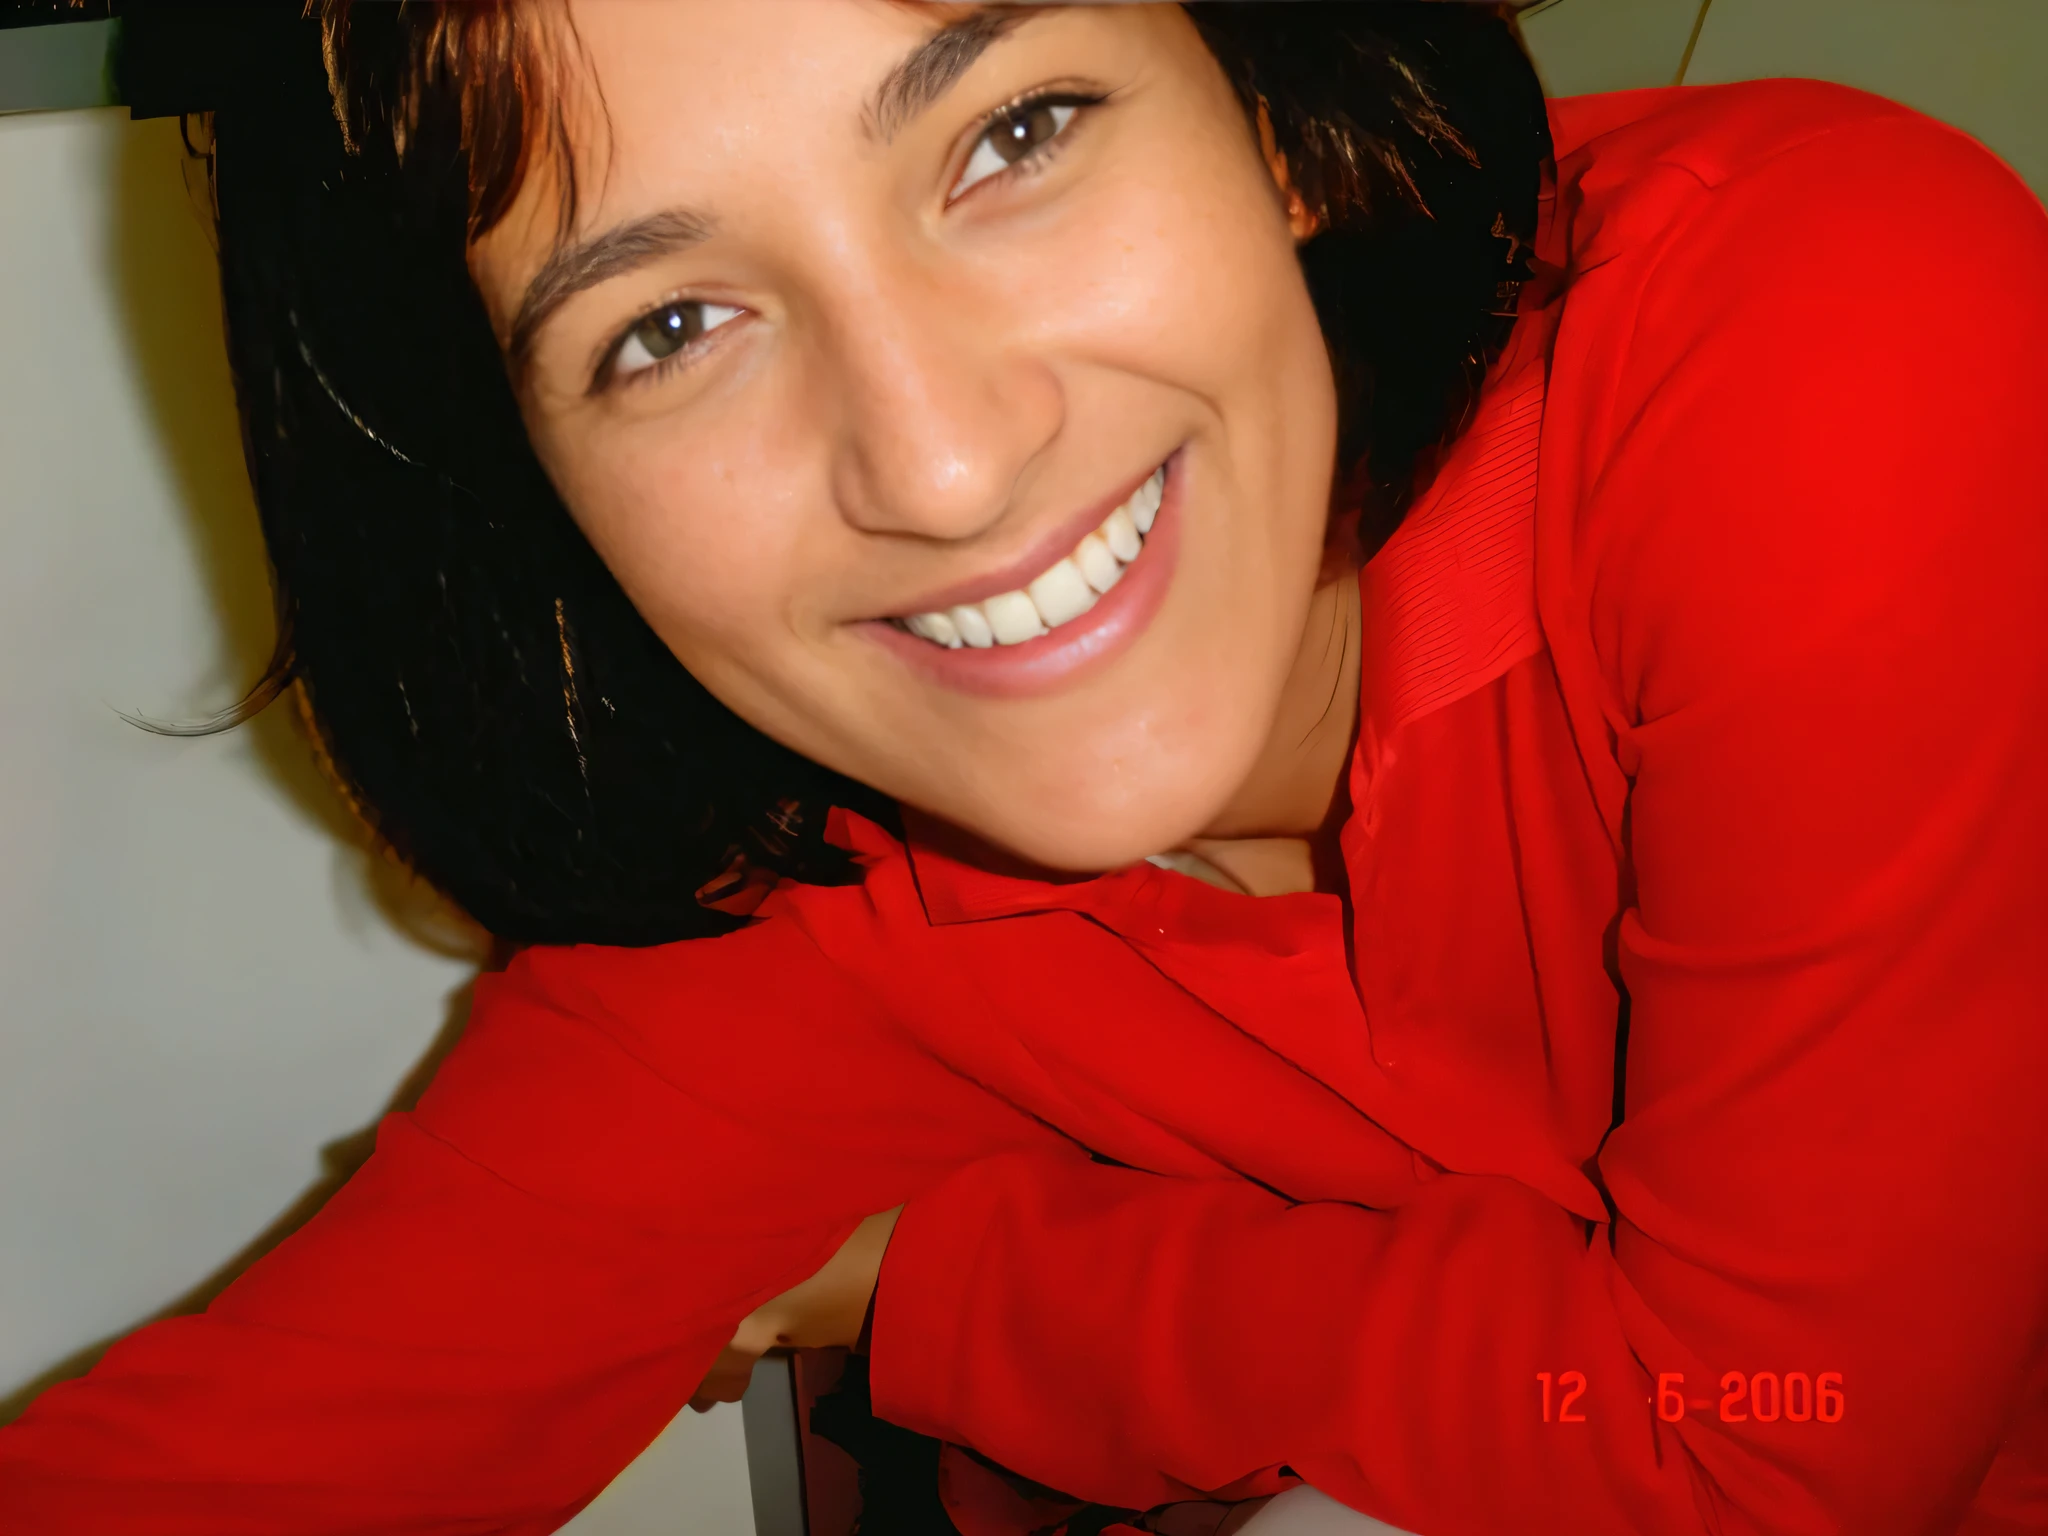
pixel 206 979
pixel 199 987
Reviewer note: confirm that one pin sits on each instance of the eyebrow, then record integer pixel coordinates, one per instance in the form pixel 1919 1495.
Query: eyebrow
pixel 916 81
pixel 930 69
pixel 618 250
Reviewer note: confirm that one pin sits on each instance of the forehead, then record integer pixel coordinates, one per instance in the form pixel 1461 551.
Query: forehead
pixel 651 101
pixel 852 72
pixel 662 64
pixel 754 125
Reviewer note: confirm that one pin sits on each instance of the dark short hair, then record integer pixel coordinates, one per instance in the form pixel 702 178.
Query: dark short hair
pixel 486 694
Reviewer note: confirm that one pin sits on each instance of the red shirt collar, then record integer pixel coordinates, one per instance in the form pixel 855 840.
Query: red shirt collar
pixel 1141 902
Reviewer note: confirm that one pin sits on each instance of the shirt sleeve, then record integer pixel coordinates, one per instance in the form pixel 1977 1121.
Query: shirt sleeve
pixel 1812 557
pixel 627 1152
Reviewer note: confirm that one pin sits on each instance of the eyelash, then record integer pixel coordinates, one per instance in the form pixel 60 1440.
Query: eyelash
pixel 1029 165
pixel 1040 157
pixel 607 371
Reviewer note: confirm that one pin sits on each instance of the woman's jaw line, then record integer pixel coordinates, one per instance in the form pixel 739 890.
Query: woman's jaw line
pixel 1105 623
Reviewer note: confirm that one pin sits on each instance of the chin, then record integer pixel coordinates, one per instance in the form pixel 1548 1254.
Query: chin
pixel 1091 840
pixel 1126 796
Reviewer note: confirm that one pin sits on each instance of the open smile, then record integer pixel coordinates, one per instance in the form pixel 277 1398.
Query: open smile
pixel 1065 590
pixel 1016 638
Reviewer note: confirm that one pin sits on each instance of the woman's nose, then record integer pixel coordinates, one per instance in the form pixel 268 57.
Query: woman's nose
pixel 942 409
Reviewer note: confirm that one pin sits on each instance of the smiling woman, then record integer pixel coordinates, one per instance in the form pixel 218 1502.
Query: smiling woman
pixel 1198 725
pixel 787 472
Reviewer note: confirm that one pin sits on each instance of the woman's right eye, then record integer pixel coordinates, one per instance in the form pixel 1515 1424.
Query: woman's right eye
pixel 661 334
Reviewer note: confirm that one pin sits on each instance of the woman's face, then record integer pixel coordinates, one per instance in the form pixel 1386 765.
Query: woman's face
pixel 942 386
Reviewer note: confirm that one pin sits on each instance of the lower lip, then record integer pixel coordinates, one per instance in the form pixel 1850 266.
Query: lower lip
pixel 1075 649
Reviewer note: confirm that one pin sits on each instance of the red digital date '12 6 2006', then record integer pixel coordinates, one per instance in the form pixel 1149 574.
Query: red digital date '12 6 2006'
pixel 1763 1397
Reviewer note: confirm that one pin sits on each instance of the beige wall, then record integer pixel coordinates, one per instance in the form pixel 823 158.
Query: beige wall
pixel 1980 64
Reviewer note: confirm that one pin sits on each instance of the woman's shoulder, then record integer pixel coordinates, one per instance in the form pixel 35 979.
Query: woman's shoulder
pixel 741 1001
pixel 1635 168
pixel 1710 131
pixel 595 1046
pixel 1792 227
pixel 770 966
pixel 1797 378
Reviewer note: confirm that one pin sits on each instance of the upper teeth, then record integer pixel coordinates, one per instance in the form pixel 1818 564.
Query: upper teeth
pixel 1065 591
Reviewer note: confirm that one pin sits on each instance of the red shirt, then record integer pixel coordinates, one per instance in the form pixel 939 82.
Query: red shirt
pixel 1704 690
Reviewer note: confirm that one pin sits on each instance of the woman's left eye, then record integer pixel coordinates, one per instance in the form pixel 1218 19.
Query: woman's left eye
pixel 667 331
pixel 1015 137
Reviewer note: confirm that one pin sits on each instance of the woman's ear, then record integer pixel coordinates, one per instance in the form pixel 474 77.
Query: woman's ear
pixel 1304 223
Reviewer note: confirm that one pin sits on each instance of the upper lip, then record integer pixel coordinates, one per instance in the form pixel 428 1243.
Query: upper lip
pixel 1037 557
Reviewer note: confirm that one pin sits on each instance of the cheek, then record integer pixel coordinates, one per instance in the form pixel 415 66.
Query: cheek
pixel 1210 301
pixel 699 530
pixel 1182 273
pixel 1182 243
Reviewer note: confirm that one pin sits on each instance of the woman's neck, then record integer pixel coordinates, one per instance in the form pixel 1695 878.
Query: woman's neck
pixel 1279 832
